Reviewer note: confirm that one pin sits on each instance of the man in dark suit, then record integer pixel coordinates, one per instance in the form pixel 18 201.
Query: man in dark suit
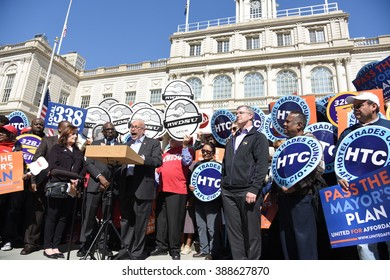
pixel 36 200
pixel 101 175
pixel 137 191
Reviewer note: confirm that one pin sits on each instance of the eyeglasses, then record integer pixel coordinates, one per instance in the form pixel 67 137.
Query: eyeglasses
pixel 136 127
pixel 206 152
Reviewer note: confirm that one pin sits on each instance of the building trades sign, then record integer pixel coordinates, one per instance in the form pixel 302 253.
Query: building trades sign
pixel 206 178
pixel 362 151
pixel 295 159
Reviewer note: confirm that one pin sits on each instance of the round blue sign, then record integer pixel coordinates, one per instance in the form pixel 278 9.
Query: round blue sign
pixel 258 119
pixel 284 106
pixel 19 120
pixel 206 178
pixel 295 159
pixel 221 123
pixel 362 151
pixel 326 134
pixel 269 131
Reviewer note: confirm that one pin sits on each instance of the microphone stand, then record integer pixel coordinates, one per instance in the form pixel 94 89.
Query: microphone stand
pixel 107 221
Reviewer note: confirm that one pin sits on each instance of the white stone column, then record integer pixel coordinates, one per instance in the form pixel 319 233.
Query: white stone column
pixel 269 81
pixel 339 74
pixel 206 87
pixel 237 83
pixel 348 71
pixel 304 87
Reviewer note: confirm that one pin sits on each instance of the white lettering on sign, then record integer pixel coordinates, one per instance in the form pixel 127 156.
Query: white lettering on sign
pixel 362 155
pixel 300 157
pixel 324 145
pixel 282 115
pixel 223 126
pixel 209 182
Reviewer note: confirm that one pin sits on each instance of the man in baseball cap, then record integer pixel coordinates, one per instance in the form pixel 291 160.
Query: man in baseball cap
pixel 365 96
pixel 365 108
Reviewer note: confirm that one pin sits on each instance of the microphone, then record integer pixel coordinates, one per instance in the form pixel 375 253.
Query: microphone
pixel 65 174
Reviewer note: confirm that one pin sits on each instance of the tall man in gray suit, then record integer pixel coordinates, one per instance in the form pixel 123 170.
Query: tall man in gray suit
pixel 137 191
pixel 101 175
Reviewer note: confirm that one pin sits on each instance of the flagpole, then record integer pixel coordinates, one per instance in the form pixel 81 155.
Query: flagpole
pixel 64 28
pixel 47 79
pixel 187 13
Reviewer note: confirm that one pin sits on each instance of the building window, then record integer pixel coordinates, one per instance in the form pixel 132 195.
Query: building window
pixel 85 101
pixel 38 93
pixel 284 39
pixel 253 85
pixel 63 98
pixel 252 43
pixel 195 50
pixel 196 85
pixel 106 95
pixel 155 96
pixel 286 83
pixel 222 87
pixel 8 87
pixel 223 46
pixel 255 11
pixel 130 98
pixel 321 80
pixel 317 36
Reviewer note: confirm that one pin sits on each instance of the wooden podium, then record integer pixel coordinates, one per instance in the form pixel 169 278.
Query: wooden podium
pixel 117 154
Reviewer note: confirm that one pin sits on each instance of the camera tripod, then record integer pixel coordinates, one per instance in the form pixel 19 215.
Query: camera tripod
pixel 107 222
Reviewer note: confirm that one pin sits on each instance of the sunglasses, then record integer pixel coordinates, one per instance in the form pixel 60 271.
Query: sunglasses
pixel 206 152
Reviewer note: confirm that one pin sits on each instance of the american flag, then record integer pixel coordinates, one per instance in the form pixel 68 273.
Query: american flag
pixel 46 101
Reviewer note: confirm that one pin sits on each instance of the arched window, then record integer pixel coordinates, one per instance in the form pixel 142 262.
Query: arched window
pixel 196 85
pixel 222 87
pixel 321 80
pixel 10 75
pixel 286 83
pixel 253 85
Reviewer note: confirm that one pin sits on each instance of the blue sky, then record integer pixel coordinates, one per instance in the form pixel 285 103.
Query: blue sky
pixel 109 33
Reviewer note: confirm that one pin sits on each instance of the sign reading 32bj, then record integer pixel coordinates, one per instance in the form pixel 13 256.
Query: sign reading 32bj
pixel 295 159
pixel 206 178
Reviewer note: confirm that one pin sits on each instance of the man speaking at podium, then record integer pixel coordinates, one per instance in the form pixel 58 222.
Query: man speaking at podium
pixel 137 191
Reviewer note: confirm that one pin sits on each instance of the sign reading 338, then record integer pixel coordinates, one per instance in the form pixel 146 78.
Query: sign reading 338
pixel 57 112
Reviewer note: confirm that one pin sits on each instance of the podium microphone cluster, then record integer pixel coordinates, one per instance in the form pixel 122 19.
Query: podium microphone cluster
pixel 66 174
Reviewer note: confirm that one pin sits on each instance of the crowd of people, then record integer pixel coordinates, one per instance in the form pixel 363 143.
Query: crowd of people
pixel 228 227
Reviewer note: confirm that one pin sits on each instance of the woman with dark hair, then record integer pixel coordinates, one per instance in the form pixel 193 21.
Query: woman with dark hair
pixel 65 156
pixel 208 215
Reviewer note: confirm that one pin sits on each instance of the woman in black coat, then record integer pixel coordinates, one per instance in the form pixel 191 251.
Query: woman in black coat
pixel 65 156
